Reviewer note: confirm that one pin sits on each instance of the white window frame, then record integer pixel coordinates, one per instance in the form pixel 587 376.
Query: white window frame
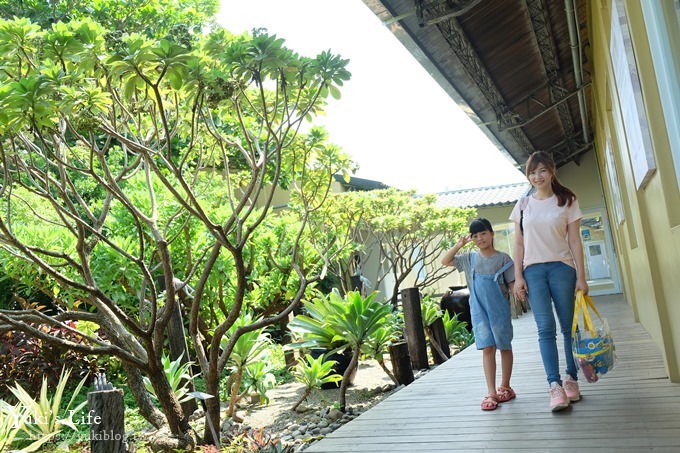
pixel 662 20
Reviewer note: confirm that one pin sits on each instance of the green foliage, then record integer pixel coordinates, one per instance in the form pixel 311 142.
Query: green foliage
pixel 430 311
pixel 312 330
pixel 44 417
pixel 388 333
pixel 251 347
pixel 315 372
pixel 179 377
pixel 140 150
pixel 11 420
pixel 154 18
pixel 258 377
pixel 457 332
pixel 361 317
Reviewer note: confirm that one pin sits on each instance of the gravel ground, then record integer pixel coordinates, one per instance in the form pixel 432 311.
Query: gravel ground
pixel 315 417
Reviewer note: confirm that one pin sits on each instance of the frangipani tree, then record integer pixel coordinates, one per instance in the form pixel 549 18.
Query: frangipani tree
pixel 406 234
pixel 131 164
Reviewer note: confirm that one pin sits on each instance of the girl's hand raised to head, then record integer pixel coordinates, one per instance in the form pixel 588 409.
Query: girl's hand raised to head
pixel 464 240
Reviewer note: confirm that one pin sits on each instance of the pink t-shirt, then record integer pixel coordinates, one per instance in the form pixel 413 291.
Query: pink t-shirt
pixel 545 230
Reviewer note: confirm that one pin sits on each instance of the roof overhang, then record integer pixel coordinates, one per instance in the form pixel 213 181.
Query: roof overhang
pixel 518 68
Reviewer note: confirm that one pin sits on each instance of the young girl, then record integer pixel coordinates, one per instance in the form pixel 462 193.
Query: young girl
pixel 549 250
pixel 490 274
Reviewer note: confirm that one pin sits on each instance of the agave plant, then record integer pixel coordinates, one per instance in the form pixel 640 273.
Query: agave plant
pixel 43 418
pixel 11 420
pixel 178 375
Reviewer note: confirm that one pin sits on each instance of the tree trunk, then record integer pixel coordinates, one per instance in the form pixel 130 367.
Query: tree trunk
pixel 212 407
pixel 346 377
pixel 387 371
pixel 177 422
pixel 147 409
pixel 235 386
pixel 308 390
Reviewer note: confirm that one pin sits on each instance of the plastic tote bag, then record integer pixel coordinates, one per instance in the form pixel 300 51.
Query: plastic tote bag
pixel 592 342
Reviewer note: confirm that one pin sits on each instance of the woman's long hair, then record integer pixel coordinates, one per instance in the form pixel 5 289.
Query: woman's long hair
pixel 564 194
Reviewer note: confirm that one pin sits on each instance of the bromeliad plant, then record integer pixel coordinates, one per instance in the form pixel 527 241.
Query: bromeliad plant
pixel 313 373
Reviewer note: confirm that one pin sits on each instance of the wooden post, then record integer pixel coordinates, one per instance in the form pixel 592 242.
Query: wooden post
pixel 415 334
pixel 439 337
pixel 401 363
pixel 107 421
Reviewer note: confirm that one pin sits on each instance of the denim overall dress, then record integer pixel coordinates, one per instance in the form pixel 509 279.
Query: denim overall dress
pixel 489 309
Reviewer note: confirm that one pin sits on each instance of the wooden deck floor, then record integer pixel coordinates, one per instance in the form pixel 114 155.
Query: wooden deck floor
pixel 634 408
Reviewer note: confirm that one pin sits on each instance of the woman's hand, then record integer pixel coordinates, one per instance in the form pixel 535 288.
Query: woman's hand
pixel 582 285
pixel 520 290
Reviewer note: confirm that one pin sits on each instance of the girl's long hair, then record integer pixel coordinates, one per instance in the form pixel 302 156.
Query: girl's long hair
pixel 564 194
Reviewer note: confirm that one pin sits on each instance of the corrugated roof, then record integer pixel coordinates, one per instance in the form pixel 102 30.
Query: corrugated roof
pixel 479 197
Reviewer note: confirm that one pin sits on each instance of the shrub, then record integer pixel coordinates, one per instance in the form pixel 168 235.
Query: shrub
pixel 27 360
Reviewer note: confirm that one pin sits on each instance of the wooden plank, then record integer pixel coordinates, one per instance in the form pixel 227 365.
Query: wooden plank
pixel 632 408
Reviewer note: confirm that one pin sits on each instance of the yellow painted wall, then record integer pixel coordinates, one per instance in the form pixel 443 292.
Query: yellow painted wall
pixel 647 238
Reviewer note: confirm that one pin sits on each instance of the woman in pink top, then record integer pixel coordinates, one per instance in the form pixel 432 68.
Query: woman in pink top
pixel 549 268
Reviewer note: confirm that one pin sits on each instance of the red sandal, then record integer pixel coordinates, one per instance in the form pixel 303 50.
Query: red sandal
pixel 505 394
pixel 489 403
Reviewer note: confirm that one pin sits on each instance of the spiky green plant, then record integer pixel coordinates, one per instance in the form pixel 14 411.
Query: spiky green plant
pixel 45 417
pixel 178 375
pixel 313 373
pixel 11 421
pixel 378 343
pixel 457 333
pixel 250 347
pixel 360 318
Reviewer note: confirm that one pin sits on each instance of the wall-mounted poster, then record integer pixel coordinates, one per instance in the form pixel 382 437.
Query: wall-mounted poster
pixel 630 97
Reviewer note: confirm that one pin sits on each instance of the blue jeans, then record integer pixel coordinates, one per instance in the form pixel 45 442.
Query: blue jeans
pixel 548 284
